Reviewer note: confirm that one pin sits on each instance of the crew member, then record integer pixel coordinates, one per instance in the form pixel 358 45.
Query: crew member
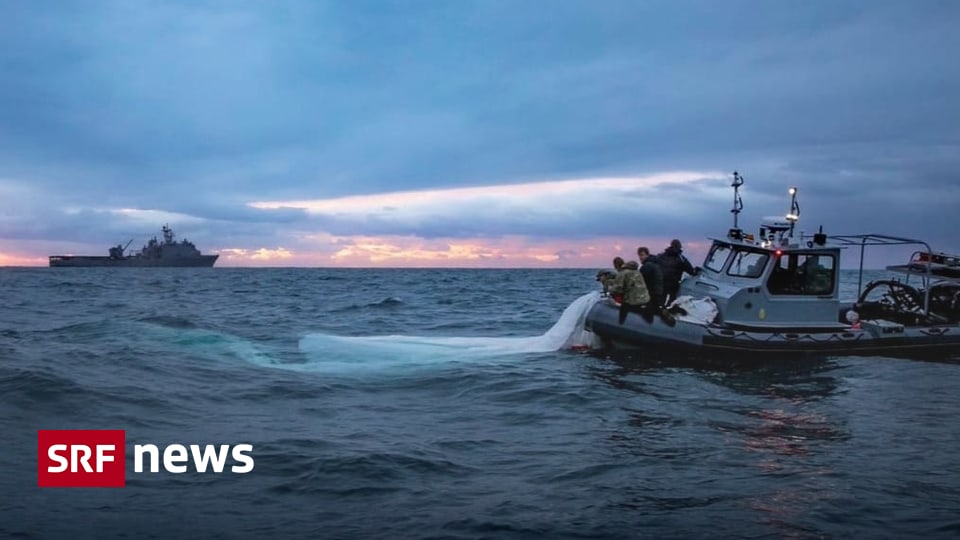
pixel 630 286
pixel 674 264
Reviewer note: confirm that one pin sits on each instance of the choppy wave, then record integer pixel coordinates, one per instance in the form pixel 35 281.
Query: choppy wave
pixel 389 302
pixel 445 403
pixel 169 321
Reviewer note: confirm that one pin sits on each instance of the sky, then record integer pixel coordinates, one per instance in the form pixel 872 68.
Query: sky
pixel 484 133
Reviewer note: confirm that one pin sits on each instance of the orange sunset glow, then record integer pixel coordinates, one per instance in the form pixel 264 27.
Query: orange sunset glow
pixel 412 252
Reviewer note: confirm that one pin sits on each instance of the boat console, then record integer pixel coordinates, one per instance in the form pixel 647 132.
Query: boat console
pixel 772 279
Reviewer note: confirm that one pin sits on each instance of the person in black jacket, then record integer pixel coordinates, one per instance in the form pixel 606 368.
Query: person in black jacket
pixel 674 264
pixel 653 276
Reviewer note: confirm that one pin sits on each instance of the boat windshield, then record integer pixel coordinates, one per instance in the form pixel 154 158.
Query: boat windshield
pixel 803 274
pixel 717 257
pixel 748 263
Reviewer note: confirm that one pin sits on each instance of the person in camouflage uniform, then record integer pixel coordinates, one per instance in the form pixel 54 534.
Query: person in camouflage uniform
pixel 606 277
pixel 630 286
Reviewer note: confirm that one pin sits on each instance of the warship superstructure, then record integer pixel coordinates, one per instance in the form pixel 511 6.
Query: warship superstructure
pixel 168 253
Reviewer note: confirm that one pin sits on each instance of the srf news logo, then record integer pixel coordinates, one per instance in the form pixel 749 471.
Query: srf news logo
pixel 97 458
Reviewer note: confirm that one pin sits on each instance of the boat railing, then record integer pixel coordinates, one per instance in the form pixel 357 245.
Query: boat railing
pixel 864 240
pixel 922 263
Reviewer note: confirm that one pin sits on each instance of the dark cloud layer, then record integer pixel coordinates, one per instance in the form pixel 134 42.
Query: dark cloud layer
pixel 198 108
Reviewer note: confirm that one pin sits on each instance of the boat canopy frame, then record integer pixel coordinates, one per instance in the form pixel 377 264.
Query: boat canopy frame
pixel 873 239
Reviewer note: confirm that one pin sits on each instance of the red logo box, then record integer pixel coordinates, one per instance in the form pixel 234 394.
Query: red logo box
pixel 81 458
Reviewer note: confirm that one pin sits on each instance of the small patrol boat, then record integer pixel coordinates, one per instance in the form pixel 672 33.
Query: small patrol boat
pixel 780 294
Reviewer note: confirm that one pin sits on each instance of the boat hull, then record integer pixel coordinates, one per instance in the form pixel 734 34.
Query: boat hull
pixel 636 333
pixel 203 261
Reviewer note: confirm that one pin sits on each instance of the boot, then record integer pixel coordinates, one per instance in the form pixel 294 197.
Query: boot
pixel 668 318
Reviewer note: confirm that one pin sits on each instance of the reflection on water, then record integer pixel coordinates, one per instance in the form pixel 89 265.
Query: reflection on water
pixel 787 431
pixel 778 420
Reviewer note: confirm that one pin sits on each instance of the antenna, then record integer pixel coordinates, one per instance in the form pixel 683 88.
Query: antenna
pixel 794 215
pixel 167 234
pixel 735 232
pixel 737 201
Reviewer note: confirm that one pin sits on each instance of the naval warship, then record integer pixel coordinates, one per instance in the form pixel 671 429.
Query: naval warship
pixel 168 253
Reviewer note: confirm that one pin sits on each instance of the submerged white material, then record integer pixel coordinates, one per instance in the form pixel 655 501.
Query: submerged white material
pixel 327 352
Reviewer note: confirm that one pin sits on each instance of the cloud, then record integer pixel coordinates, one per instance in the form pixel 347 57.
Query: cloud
pixel 574 208
pixel 414 251
pixel 426 114
pixel 240 256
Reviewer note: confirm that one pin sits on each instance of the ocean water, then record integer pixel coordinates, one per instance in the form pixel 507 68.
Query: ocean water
pixel 448 404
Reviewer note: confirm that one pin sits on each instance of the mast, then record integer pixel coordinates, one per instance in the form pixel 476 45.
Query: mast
pixel 794 214
pixel 167 234
pixel 735 232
